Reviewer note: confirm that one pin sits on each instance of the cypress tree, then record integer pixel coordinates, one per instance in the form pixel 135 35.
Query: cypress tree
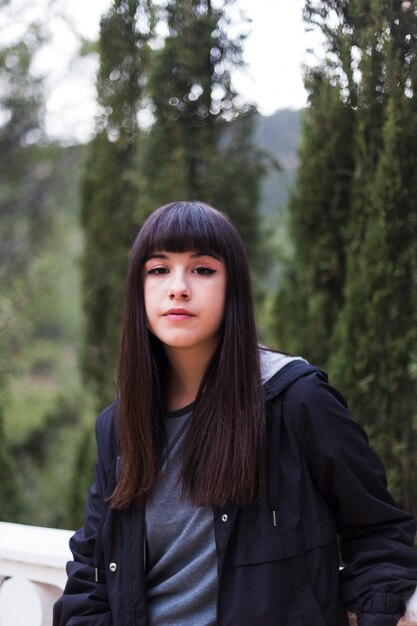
pixel 200 145
pixel 110 185
pixel 360 324
pixel 311 292
pixel 374 356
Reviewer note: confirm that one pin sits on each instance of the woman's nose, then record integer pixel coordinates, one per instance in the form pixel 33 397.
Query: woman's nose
pixel 179 287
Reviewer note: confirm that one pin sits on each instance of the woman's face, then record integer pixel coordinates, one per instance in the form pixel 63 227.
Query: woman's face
pixel 185 299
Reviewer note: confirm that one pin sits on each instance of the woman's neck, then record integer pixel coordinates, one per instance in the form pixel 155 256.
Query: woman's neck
pixel 187 368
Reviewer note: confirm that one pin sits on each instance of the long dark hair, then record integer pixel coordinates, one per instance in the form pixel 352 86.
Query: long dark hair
pixel 224 450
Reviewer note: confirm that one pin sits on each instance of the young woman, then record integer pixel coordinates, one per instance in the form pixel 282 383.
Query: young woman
pixel 229 477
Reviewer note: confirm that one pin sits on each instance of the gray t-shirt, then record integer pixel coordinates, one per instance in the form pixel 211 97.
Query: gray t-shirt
pixel 181 572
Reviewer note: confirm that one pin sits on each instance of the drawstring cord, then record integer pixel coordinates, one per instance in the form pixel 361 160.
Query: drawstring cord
pixel 98 548
pixel 274 454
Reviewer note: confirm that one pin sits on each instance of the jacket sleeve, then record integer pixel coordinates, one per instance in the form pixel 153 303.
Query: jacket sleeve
pixel 376 538
pixel 85 601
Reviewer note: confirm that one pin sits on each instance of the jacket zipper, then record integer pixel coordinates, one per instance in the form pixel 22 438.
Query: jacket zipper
pixel 123 586
pixel 273 497
pixel 124 579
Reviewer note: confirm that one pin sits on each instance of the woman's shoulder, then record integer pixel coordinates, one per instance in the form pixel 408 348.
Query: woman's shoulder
pixel 311 406
pixel 106 418
pixel 287 374
pixel 317 413
pixel 313 391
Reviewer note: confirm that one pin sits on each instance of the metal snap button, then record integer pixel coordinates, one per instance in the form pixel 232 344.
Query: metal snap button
pixel 113 567
pixel 224 518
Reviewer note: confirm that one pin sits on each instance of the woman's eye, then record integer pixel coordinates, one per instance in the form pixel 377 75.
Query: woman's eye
pixel 205 271
pixel 157 270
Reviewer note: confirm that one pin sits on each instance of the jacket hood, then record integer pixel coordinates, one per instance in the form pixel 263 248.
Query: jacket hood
pixel 272 362
pixel 279 371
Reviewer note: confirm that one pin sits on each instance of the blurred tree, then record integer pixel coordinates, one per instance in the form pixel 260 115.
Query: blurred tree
pixel 110 185
pixel 375 344
pixel 21 120
pixel 311 292
pixel 9 497
pixel 22 215
pixel 200 144
pixel 351 285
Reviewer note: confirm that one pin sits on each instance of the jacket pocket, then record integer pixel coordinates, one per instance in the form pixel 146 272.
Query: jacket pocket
pixel 305 605
pixel 290 577
pixel 280 592
pixel 315 587
pixel 281 544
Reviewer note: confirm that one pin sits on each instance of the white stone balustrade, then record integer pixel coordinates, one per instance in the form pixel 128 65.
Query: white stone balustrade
pixel 32 575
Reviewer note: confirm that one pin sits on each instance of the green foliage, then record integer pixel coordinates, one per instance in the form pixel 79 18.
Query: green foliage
pixel 20 209
pixel 125 31
pixel 81 476
pixel 376 337
pixel 39 367
pixel 200 145
pixel 39 320
pixel 311 294
pixel 9 496
pixel 109 197
pixel 110 186
pixel 45 458
pixel 21 107
pixel 350 290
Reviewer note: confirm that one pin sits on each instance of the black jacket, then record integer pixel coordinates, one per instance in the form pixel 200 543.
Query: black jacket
pixel 278 562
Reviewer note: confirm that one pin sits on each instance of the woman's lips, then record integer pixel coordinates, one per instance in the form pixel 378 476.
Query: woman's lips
pixel 178 314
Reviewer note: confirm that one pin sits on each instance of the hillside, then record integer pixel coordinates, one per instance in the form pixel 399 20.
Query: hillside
pixel 279 134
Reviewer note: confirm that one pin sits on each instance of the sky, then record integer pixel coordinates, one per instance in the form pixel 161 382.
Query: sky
pixel 274 52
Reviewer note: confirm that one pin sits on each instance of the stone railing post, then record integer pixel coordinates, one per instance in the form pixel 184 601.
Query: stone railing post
pixel 32 573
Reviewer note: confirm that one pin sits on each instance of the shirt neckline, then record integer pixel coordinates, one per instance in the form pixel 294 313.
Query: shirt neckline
pixel 180 412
